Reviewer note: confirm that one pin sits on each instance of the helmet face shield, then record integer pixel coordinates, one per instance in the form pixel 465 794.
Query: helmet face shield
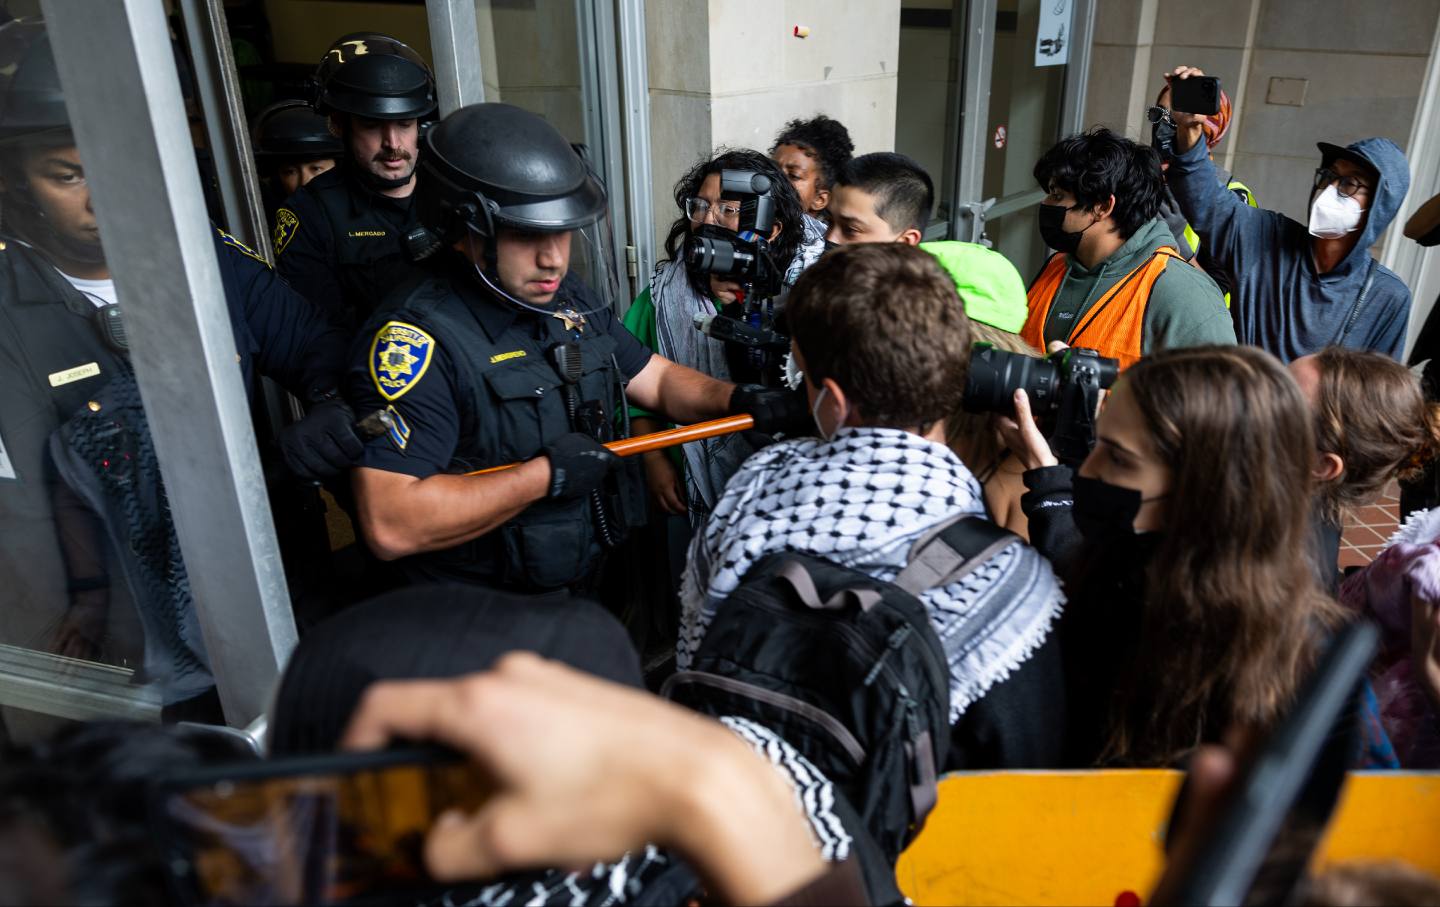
pixel 566 273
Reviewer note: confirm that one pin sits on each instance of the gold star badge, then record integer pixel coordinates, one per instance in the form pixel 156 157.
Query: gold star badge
pixel 572 319
pixel 396 360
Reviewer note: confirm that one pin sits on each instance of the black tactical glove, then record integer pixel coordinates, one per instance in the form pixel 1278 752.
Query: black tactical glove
pixel 323 443
pixel 578 464
pixel 776 410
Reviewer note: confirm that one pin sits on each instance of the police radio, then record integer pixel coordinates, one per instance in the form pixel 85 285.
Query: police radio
pixel 112 327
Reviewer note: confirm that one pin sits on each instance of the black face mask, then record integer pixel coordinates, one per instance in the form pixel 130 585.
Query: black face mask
pixel 1105 511
pixel 1162 138
pixel 1053 232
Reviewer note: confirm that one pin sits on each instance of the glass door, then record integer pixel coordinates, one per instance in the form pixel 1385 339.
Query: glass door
pixel 1017 84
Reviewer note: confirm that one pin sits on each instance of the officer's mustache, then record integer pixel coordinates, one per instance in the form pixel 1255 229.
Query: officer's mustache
pixel 391 156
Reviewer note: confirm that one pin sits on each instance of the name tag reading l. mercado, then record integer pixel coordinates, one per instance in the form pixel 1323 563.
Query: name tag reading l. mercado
pixel 88 370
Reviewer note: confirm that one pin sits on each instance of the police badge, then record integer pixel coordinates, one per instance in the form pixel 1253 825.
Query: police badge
pixel 286 223
pixel 399 356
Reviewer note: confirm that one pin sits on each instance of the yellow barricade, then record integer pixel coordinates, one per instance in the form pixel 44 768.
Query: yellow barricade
pixel 1090 837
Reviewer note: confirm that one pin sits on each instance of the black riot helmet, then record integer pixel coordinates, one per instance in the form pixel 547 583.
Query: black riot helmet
pixel 489 168
pixel 32 103
pixel 292 130
pixel 373 75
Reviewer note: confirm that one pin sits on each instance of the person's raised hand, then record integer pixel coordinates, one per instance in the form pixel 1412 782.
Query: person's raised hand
pixel 586 770
pixel 1023 437
pixel 1189 127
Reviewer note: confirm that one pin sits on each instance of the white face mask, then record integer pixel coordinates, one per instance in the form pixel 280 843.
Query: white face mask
pixel 1332 215
pixel 815 414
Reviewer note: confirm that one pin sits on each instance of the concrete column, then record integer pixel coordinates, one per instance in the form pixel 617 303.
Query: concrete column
pixel 732 72
pixel 1120 65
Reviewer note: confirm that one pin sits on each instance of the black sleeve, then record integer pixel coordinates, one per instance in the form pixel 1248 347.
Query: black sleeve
pixel 305 254
pixel 630 354
pixel 1020 722
pixel 428 419
pixel 1048 505
pixel 293 341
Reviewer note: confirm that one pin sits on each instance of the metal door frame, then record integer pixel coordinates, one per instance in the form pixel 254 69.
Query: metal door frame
pixel 123 91
pixel 973 59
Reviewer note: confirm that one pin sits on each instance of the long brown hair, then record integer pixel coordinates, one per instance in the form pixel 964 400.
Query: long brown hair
pixel 1233 617
pixel 1370 412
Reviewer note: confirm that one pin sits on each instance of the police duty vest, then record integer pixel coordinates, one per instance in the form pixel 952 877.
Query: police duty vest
pixel 512 404
pixel 1115 324
pixel 369 242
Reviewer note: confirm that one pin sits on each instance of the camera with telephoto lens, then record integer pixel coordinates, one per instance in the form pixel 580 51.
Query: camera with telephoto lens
pixel 747 327
pixel 1064 392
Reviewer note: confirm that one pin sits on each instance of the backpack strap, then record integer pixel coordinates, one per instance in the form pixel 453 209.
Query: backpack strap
pixel 794 573
pixel 950 551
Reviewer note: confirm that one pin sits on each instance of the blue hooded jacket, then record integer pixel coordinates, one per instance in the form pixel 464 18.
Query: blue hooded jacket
pixel 1279 302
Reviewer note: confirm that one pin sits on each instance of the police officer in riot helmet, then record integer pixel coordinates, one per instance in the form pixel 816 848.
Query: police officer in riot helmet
pixel 504 354
pixel 71 424
pixel 293 145
pixel 340 239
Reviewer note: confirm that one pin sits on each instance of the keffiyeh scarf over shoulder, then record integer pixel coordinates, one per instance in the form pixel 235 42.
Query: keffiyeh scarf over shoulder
pixel 861 501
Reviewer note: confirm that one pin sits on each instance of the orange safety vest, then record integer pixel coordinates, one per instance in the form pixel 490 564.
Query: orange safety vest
pixel 1115 325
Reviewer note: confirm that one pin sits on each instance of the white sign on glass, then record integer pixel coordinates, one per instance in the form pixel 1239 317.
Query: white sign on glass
pixel 1052 41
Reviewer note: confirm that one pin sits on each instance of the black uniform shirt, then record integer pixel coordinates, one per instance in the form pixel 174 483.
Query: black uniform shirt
pixel 341 245
pixel 430 406
pixel 277 331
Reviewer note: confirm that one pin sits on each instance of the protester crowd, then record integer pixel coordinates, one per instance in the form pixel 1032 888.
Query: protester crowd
pixel 907 562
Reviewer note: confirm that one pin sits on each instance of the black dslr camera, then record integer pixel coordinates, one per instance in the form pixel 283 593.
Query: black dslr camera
pixel 1064 391
pixel 754 346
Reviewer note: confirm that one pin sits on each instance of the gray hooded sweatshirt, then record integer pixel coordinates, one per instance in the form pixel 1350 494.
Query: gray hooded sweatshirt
pixel 1279 301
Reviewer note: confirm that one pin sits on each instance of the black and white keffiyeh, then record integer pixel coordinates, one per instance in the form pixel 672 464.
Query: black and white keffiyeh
pixel 861 501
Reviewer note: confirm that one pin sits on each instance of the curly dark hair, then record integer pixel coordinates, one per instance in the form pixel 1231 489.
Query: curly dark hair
pixel 825 139
pixel 1097 164
pixel 787 206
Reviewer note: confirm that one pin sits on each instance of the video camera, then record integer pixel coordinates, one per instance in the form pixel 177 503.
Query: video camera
pixel 1064 391
pixel 747 327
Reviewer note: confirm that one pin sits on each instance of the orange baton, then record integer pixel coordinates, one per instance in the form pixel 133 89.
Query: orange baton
pixel 629 447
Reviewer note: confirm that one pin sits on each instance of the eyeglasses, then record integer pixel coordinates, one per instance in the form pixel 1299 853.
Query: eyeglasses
pixel 697 209
pixel 1348 186
pixel 1158 114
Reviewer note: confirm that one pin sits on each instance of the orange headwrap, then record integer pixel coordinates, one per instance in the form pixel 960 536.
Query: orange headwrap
pixel 1216 126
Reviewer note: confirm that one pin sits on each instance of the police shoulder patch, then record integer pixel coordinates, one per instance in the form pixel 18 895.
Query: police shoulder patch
pixel 239 246
pixel 286 223
pixel 399 356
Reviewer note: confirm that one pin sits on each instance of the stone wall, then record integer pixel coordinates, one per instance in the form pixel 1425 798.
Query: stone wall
pixel 732 72
pixel 1298 71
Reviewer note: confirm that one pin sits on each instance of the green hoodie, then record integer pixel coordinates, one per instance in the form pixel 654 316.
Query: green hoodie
pixel 1186 308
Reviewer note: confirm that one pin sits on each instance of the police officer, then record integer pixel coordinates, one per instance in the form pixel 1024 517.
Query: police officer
pixel 502 354
pixel 293 145
pixel 340 239
pixel 70 391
